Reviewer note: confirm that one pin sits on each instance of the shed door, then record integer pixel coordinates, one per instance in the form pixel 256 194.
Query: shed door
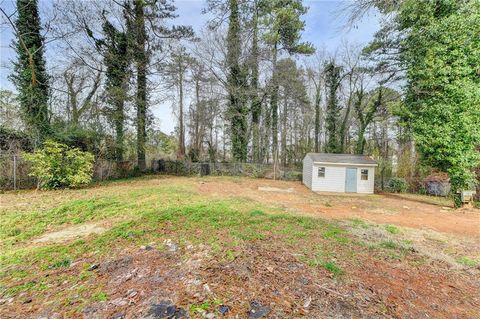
pixel 351 180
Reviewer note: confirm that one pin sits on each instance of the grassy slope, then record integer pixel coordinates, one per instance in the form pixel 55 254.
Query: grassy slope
pixel 140 215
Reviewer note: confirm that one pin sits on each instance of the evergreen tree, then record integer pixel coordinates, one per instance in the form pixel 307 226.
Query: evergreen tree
pixel 284 33
pixel 176 70
pixel 30 75
pixel 146 28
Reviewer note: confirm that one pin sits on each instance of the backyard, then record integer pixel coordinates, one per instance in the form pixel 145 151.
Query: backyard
pixel 172 247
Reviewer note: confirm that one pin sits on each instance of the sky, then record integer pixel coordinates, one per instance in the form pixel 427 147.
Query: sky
pixel 323 29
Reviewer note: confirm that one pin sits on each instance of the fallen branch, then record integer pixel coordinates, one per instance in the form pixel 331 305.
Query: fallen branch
pixel 331 291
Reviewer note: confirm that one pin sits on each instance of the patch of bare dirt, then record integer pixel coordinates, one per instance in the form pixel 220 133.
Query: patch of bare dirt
pixel 421 292
pixel 69 233
pixel 384 209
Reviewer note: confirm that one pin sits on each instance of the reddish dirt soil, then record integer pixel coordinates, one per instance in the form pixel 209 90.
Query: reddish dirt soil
pixel 137 280
pixel 378 208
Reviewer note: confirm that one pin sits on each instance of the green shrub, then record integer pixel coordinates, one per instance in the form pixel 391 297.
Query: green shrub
pixel 397 185
pixel 57 165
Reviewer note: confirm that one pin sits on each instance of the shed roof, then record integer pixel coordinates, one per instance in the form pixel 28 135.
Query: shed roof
pixel 342 159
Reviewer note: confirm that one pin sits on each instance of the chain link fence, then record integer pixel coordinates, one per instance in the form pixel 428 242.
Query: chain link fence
pixel 14 173
pixel 15 170
pixel 255 170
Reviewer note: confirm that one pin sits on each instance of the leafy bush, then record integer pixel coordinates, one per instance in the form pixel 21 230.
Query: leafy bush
pixel 397 185
pixel 57 165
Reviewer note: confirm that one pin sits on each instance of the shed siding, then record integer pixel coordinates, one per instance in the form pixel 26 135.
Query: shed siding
pixel 365 187
pixel 334 180
pixel 307 171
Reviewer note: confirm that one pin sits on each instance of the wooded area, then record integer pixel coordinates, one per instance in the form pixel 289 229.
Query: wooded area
pixel 246 87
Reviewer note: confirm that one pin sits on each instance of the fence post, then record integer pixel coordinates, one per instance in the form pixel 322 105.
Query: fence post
pixel 14 172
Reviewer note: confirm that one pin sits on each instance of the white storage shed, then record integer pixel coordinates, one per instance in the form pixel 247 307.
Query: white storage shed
pixel 343 173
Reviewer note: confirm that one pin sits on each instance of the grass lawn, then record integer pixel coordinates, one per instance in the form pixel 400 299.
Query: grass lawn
pixel 160 240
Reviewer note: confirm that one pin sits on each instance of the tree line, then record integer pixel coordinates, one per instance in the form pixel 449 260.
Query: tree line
pixel 247 88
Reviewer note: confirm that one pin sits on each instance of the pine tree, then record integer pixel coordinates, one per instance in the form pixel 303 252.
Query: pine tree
pixel 140 15
pixel 30 75
pixel 176 70
pixel 285 28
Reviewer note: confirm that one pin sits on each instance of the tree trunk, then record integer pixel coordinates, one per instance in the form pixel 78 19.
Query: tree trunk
pixel 256 106
pixel 141 98
pixel 181 128
pixel 361 140
pixel 343 127
pixel 317 118
pixel 119 119
pixel 274 109
pixel 284 132
pixel 266 135
pixel 332 83
pixel 236 86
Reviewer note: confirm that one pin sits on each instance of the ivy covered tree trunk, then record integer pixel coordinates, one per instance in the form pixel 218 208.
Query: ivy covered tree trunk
pixel 332 81
pixel 30 75
pixel 318 98
pixel 119 120
pixel 141 60
pixel 343 128
pixel 181 125
pixel 256 104
pixel 117 60
pixel 365 116
pixel 238 111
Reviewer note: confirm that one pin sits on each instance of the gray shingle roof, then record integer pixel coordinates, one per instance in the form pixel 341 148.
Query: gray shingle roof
pixel 341 158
